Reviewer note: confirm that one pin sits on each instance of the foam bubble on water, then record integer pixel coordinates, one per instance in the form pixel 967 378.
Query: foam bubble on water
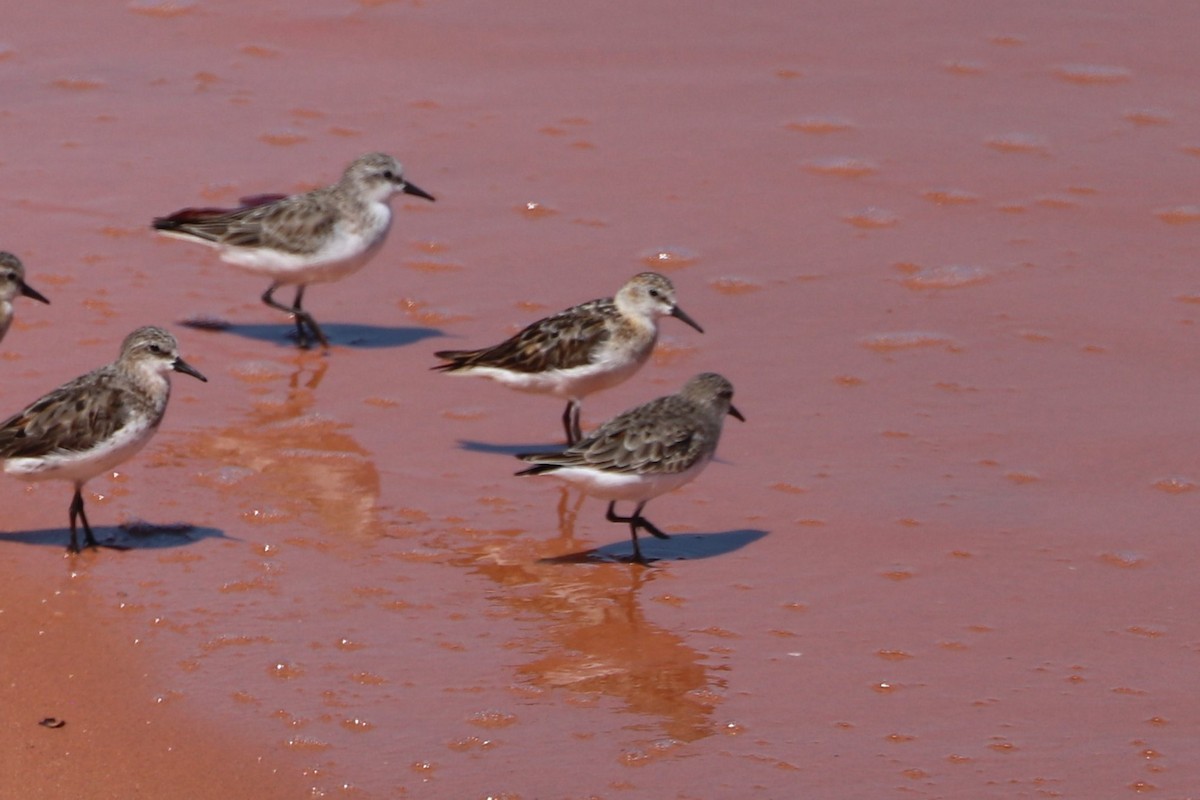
pixel 1149 116
pixel 226 476
pixel 1017 143
pixel 259 50
pixel 433 265
pixel 908 340
pixel 731 285
pixel 1125 559
pixel 422 312
pixel 842 166
pixel 161 8
pixel 950 197
pixel 357 725
pixel 492 719
pixel 535 209
pixel 1150 632
pixel 259 371
pixel 285 670
pixel 1179 215
pixel 465 743
pixel 872 217
pixel 283 138
pixel 76 84
pixel 307 743
pixel 951 276
pixel 267 515
pixel 1175 484
pixel 963 67
pixel 368 679
pixel 668 257
pixel 820 125
pixel 1092 73
pixel 1056 201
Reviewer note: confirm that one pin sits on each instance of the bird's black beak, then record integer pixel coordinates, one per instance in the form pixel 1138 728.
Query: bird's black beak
pixel 733 412
pixel 29 291
pixel 677 313
pixel 187 369
pixel 412 188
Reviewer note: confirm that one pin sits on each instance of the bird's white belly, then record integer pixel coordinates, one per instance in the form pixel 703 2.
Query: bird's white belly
pixel 569 384
pixel 344 251
pixel 82 466
pixel 625 486
pixel 6 317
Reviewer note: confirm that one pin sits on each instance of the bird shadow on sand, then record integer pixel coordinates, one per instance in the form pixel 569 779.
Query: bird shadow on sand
pixel 680 547
pixel 359 337
pixel 495 448
pixel 130 536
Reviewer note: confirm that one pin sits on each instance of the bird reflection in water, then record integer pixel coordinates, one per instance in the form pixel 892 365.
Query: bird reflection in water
pixel 282 462
pixel 592 637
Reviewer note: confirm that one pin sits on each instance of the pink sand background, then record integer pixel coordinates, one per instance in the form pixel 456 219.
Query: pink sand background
pixel 945 252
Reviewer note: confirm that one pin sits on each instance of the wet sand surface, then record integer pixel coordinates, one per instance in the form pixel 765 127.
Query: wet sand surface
pixel 946 256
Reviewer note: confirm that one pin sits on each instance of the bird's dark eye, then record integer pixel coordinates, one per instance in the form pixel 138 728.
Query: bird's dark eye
pixel 391 176
pixel 156 349
pixel 655 293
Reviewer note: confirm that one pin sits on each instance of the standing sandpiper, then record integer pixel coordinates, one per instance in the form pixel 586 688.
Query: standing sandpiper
pixel 316 237
pixel 582 350
pixel 12 283
pixel 646 451
pixel 95 422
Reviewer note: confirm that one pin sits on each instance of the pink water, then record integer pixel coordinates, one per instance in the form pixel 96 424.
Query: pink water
pixel 945 253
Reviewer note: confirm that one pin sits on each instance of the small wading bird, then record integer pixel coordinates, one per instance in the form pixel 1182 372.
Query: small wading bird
pixel 586 348
pixel 12 283
pixel 645 452
pixel 316 237
pixel 95 422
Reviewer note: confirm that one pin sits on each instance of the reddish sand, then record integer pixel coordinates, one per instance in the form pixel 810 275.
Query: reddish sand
pixel 946 254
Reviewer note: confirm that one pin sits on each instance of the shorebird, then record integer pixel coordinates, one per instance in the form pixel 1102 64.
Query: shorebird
pixel 12 283
pixel 586 348
pixel 95 422
pixel 295 240
pixel 645 452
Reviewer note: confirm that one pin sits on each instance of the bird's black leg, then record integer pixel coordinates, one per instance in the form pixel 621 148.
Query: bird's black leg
pixel 302 337
pixel 307 318
pixel 647 525
pixel 77 512
pixel 304 320
pixel 635 521
pixel 570 421
pixel 269 298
